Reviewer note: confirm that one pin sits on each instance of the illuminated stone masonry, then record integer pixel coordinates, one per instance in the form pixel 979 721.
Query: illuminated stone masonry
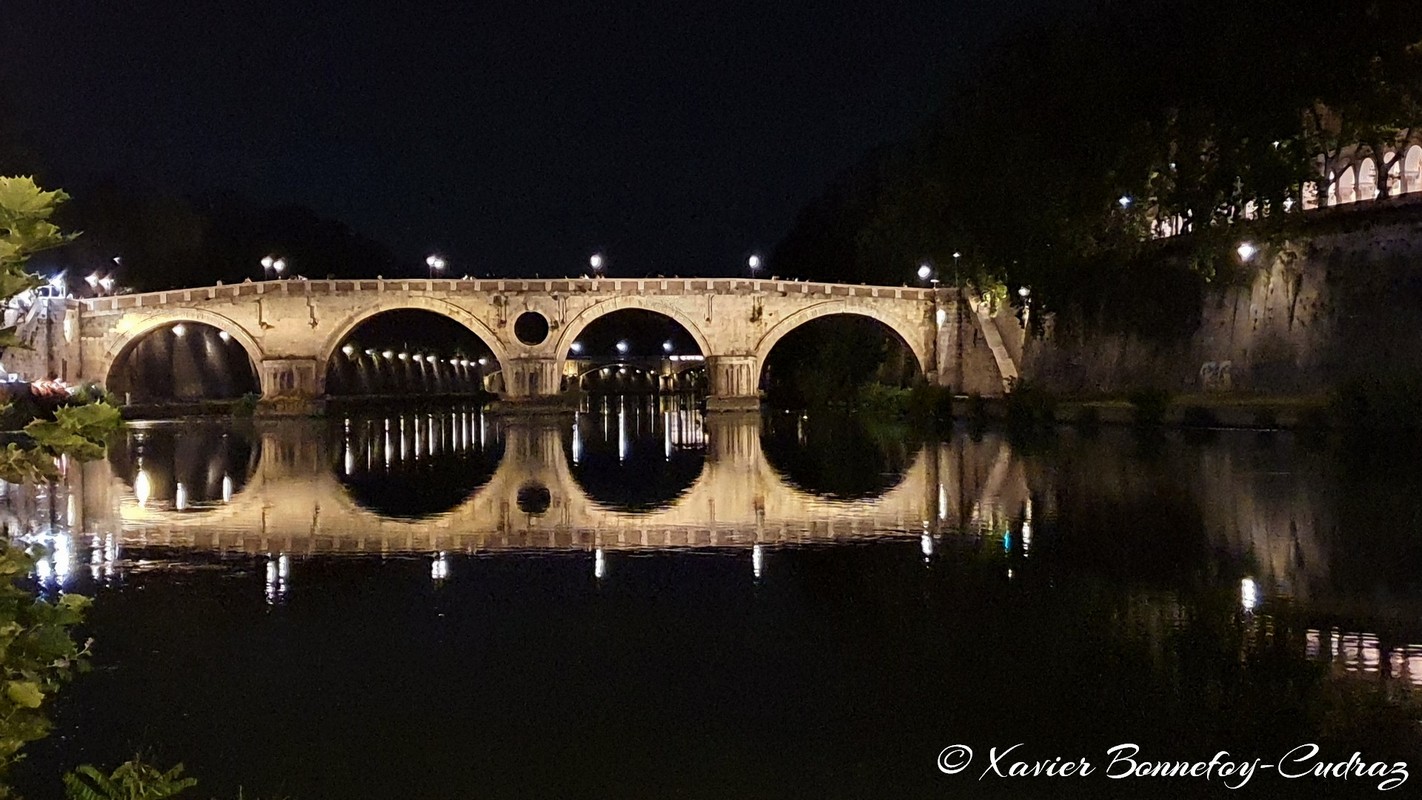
pixel 291 329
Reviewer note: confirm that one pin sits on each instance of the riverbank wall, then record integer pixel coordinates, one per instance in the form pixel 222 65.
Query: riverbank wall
pixel 1339 303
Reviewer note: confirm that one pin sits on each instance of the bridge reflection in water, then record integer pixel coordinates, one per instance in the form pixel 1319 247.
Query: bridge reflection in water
pixel 625 474
pixel 629 474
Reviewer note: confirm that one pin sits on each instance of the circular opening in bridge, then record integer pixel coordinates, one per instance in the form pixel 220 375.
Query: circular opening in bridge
pixel 400 353
pixel 636 454
pixel 183 362
pixel 635 352
pixel 841 361
pixel 534 498
pixel 191 466
pixel 531 328
pixel 416 465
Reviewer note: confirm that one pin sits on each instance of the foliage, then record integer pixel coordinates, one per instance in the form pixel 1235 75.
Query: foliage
pixel 1030 406
pixel 1150 404
pixel 76 431
pixel 1378 402
pixel 246 405
pixel 1048 168
pixel 132 780
pixel 37 654
pixel 25 229
pixel 37 651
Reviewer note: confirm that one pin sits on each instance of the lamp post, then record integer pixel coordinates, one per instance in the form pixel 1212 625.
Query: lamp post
pixel 273 265
pixel 754 263
pixel 436 263
pixel 597 262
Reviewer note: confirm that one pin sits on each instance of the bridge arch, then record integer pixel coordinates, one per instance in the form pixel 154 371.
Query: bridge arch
pixel 908 334
pixel 412 303
pixel 130 336
pixel 574 327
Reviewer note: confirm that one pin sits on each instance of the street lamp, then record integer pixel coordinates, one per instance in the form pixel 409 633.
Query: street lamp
pixel 623 347
pixel 577 348
pixel 597 262
pixel 435 263
pixel 754 263
pixel 667 346
pixel 1246 251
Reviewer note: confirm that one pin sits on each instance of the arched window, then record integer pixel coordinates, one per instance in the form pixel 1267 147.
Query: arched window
pixel 1367 188
pixel 1345 190
pixel 1412 169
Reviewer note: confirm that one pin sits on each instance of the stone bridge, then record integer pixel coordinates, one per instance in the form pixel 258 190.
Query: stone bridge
pixel 290 329
pixel 294 501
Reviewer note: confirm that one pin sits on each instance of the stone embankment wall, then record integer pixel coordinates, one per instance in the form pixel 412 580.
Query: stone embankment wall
pixel 1341 301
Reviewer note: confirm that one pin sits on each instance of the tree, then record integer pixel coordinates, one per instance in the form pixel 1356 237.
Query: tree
pixel 37 652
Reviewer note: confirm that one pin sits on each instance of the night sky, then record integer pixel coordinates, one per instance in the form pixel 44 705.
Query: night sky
pixel 515 137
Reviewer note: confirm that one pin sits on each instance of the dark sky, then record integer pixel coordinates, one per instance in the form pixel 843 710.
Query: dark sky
pixel 516 137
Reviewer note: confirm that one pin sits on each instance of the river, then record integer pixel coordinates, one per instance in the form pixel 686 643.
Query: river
pixel 642 601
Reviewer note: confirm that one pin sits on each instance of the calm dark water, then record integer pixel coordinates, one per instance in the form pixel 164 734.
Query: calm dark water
pixel 646 603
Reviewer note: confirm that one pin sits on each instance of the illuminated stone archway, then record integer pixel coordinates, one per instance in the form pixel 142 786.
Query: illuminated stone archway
pixel 127 340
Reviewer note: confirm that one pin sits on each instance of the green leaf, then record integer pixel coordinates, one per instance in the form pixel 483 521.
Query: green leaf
pixel 26 694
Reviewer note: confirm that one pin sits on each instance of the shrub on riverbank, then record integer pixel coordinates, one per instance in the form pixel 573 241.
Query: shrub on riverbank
pixel 1150 404
pixel 1379 402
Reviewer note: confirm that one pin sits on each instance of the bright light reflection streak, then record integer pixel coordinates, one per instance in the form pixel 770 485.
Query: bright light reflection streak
pixel 622 443
pixel 142 488
pixel 599 564
pixel 1027 529
pixel 757 561
pixel 1248 594
pixel 925 544
pixel 180 501
pixel 577 442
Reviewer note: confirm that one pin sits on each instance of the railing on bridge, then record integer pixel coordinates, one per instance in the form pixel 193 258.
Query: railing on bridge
pixel 644 286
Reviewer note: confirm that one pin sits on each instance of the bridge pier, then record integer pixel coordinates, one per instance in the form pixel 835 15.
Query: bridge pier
pixel 533 382
pixel 291 387
pixel 734 383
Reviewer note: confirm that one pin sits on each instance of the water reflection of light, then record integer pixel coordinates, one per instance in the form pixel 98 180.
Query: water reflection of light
pixel 439 568
pixel 622 444
pixel 666 435
pixel 757 561
pixel 1363 653
pixel 577 442
pixel 599 564
pixel 942 503
pixel 1248 594
pixel 1027 528
pixel 226 488
pixel 925 543
pixel 104 558
pixel 142 487
pixel 350 458
pixel 180 500
pixel 278 577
